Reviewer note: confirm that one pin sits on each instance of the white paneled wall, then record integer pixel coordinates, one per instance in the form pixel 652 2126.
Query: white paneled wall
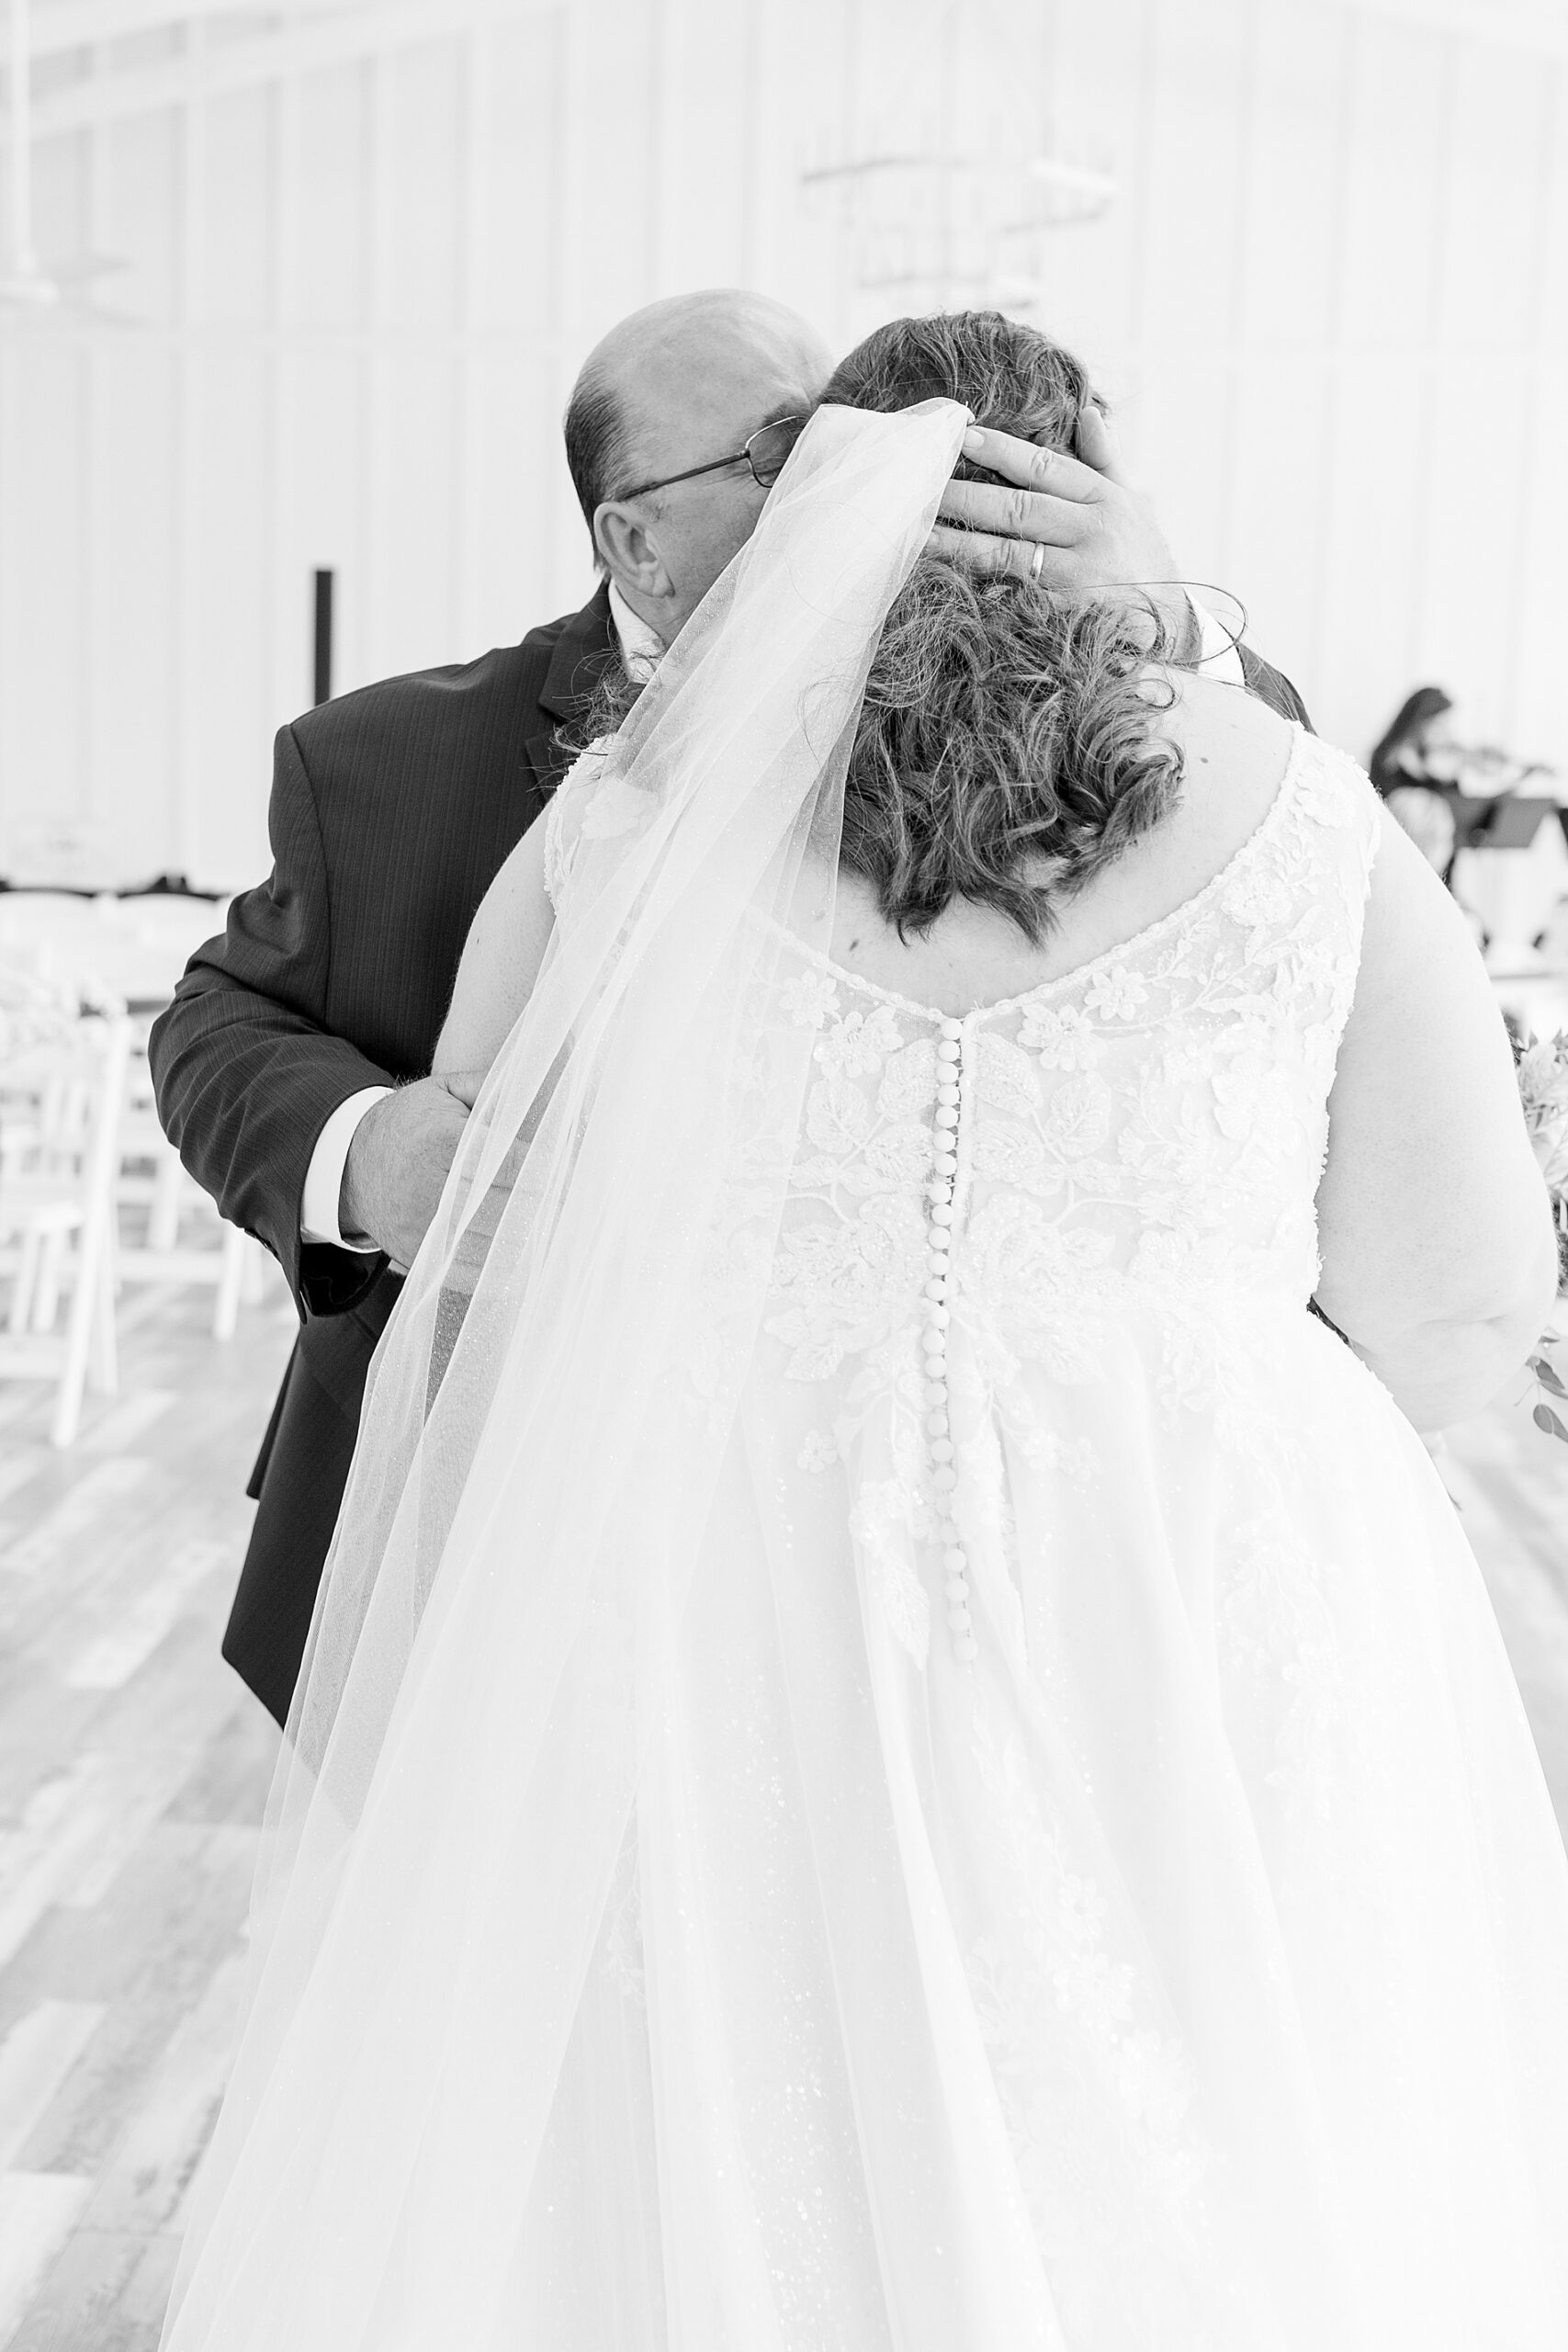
pixel 1330 299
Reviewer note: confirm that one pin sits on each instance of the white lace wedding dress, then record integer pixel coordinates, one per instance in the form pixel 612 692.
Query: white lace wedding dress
pixel 1157 1830
pixel 900 1752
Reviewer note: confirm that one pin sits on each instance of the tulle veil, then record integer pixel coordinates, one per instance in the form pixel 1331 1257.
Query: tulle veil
pixel 544 1424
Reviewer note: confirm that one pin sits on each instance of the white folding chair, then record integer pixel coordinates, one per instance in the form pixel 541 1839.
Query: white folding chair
pixel 150 1179
pixel 133 949
pixel 60 1104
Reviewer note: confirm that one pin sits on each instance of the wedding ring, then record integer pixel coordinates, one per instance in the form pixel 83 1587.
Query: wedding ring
pixel 1037 563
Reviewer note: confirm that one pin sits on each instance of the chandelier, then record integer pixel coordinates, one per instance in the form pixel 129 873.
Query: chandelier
pixel 965 228
pixel 950 176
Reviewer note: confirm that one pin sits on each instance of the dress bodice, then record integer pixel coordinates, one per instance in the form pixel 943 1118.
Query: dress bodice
pixel 1149 1126
pixel 1103 1185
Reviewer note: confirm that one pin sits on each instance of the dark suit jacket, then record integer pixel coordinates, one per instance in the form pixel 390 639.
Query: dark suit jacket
pixel 393 810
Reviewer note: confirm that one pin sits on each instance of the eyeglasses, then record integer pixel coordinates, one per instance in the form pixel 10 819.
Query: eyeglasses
pixel 765 453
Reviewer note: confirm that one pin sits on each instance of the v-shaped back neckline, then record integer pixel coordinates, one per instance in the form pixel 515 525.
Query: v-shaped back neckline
pixel 1190 907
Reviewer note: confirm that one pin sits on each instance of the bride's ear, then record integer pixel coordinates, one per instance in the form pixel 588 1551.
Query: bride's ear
pixel 630 549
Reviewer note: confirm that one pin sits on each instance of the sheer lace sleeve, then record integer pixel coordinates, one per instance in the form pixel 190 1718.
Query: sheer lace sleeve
pixel 563 818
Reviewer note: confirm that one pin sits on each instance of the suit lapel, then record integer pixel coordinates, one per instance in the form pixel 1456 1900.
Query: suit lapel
pixel 577 658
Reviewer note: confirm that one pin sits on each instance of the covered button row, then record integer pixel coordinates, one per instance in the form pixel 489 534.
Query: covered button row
pixel 938 1241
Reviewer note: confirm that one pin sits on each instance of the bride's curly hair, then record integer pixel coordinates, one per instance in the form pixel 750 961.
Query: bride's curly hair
pixel 1005 725
pixel 1006 748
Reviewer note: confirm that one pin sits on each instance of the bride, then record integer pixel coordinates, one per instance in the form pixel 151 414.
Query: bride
pixel 901 1749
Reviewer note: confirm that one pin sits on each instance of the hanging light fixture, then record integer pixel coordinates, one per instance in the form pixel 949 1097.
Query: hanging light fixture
pixel 948 209
pixel 27 288
pixel 22 280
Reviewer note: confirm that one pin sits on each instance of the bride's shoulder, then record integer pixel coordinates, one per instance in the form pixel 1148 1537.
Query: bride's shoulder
pixel 568 808
pixel 1234 753
pixel 1212 719
pixel 582 781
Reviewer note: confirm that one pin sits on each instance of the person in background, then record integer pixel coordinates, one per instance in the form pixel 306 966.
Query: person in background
pixel 1443 793
pixel 1421 748
pixel 1428 817
pixel 1418 748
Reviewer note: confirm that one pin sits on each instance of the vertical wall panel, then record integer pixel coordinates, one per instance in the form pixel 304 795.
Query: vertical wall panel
pixel 1193 176
pixel 420 273
pixel 279 456
pixel 319 506
pixel 375 602
pixel 45 599
pixel 329 262
pixel 525 131
pixel 140 159
pixel 319 294
pixel 233 622
pixel 705 195
pixel 185 408
pixel 1551 324
pixel 1178 429
pixel 1293 217
pixel 509 582
pixel 61 225
pixel 1401 144
pixel 523 533
pixel 1372 487
pixel 617 175
pixel 1539 614
pixel 1493 165
pixel 1468 609
pixel 1094 271
pixel 416 535
pixel 608 225
pixel 798 76
pixel 1280 492
pixel 1329 292
pixel 235 207
pixel 129 780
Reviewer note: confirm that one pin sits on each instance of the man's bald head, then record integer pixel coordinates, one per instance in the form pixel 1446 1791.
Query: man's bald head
pixel 675 385
pixel 633 398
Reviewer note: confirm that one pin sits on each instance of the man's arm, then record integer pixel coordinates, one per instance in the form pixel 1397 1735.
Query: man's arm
pixel 246 1071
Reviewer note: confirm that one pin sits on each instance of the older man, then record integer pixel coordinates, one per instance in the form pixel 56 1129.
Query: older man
pixel 291 1066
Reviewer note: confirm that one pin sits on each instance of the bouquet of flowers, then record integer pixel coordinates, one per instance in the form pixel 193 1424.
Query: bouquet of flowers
pixel 1543 1090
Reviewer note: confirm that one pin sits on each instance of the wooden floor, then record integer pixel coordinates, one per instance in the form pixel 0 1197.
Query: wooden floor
pixel 133 1769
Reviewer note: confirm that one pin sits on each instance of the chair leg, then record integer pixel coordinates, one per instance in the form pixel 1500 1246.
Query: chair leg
pixel 78 1343
pixel 230 1282
pixel 103 1361
pixel 46 1299
pixel 95 1267
pixel 27 1280
pixel 164 1217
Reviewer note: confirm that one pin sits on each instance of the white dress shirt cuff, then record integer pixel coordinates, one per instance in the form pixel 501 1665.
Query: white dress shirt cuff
pixel 1220 656
pixel 324 1178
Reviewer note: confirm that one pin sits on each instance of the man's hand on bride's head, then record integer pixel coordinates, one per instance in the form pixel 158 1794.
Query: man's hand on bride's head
pixel 1068 522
